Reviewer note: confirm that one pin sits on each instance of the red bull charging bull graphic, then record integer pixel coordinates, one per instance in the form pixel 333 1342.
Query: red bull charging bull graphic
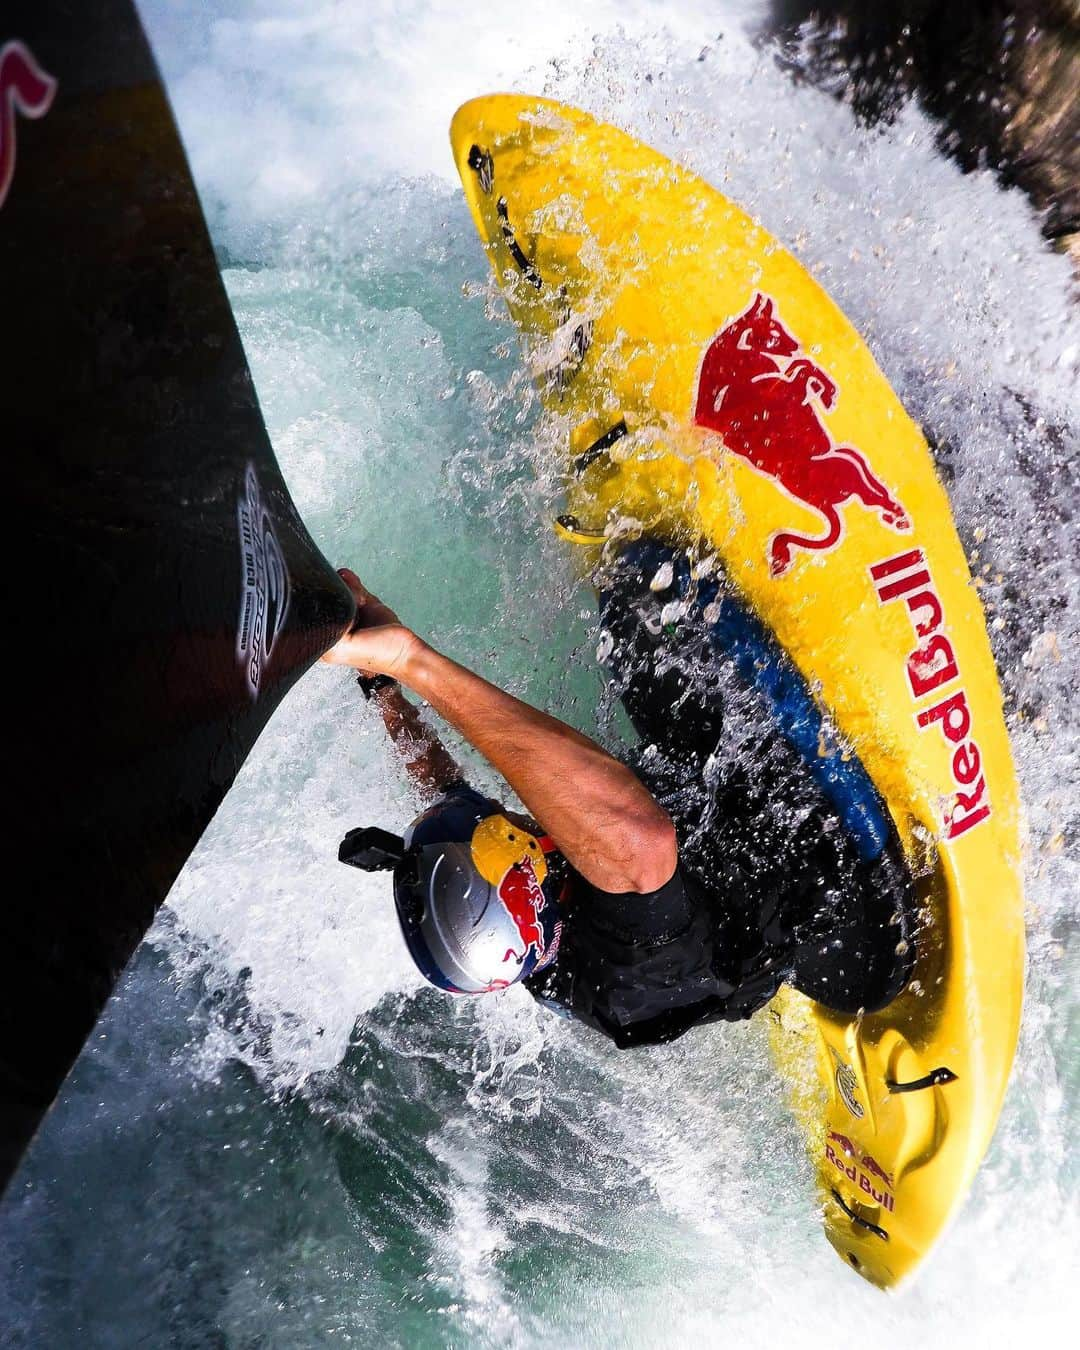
pixel 766 400
pixel 523 899
pixel 24 88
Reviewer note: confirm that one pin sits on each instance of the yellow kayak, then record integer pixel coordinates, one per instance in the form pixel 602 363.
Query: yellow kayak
pixel 712 394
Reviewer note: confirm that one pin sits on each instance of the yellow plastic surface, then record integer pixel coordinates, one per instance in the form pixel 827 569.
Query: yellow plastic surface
pixel 621 269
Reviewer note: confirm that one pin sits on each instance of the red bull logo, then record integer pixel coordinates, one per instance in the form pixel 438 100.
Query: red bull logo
pixel 766 399
pixel 933 671
pixel 843 1143
pixel 876 1170
pixel 523 900
pixel 862 1170
pixel 24 88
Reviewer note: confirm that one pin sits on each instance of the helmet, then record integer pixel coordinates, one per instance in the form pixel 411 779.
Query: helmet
pixel 477 895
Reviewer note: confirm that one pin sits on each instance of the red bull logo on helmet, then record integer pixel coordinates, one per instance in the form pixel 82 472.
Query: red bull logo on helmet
pixel 24 88
pixel 523 899
pixel 766 399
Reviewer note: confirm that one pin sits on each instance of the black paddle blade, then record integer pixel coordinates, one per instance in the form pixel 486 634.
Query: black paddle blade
pixel 163 593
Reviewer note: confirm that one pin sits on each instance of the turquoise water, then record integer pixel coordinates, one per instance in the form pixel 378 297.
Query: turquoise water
pixel 277 1138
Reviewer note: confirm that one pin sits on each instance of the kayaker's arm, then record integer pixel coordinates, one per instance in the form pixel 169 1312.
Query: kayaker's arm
pixel 430 764
pixel 601 816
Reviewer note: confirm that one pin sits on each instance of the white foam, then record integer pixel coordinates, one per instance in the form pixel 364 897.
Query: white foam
pixel 320 94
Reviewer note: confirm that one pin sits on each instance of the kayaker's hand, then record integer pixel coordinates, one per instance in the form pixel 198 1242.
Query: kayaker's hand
pixel 378 643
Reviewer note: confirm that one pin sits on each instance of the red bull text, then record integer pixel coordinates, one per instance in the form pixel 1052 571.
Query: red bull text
pixel 861 1171
pixel 766 399
pixel 24 88
pixel 931 669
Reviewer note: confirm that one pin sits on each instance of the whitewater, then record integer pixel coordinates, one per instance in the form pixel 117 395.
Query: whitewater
pixel 277 1136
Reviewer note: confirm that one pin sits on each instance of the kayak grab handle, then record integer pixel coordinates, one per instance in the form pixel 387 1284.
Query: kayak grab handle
pixel 600 446
pixel 483 166
pixel 572 531
pixel 524 266
pixel 857 1218
pixel 936 1078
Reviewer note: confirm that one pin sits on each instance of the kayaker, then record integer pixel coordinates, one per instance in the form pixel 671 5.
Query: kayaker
pixel 598 900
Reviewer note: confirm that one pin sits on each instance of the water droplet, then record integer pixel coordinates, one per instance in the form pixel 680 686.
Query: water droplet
pixel 664 576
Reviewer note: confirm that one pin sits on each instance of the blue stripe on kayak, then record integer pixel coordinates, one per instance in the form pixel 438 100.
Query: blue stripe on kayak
pixel 761 663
